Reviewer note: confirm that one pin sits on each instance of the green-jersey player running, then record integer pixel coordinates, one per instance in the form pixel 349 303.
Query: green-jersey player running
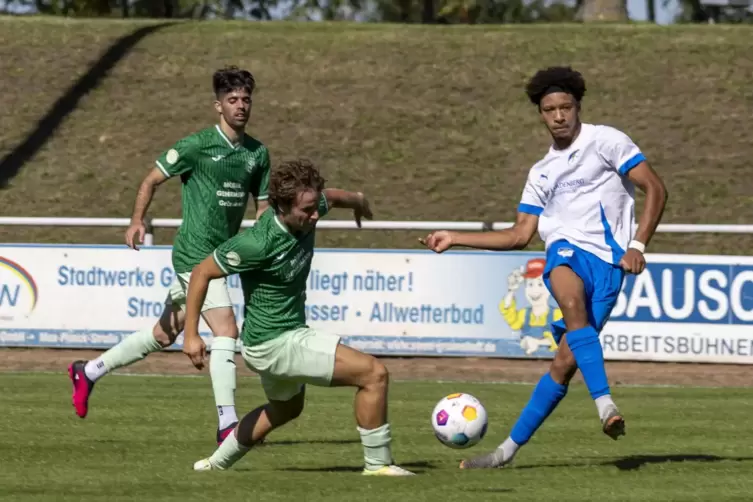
pixel 273 259
pixel 219 167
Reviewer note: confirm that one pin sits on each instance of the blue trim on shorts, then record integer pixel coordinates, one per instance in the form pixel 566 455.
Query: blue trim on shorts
pixel 602 282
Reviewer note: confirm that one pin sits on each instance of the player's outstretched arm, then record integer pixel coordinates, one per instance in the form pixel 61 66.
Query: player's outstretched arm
pixel 349 200
pixel 649 182
pixel 516 237
pixel 193 345
pixel 136 229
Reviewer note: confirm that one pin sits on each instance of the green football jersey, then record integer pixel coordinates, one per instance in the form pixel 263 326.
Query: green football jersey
pixel 274 266
pixel 217 177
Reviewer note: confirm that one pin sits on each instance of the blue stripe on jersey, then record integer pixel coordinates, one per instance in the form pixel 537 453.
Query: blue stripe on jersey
pixel 631 163
pixel 530 209
pixel 617 251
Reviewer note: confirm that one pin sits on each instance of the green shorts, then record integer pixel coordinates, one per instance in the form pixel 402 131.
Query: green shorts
pixel 293 359
pixel 218 294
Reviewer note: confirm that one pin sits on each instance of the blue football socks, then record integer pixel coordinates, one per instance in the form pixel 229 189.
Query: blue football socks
pixel 585 345
pixel 545 398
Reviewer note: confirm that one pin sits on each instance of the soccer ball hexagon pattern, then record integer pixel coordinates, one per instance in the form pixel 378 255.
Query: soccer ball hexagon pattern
pixel 459 420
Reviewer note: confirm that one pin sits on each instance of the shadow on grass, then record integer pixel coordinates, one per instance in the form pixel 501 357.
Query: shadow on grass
pixel 489 490
pixel 11 164
pixel 310 441
pixel 634 462
pixel 359 468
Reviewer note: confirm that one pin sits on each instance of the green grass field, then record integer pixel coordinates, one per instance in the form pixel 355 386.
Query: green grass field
pixel 431 121
pixel 144 433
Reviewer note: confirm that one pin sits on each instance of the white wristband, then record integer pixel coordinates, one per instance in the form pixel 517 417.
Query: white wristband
pixel 637 245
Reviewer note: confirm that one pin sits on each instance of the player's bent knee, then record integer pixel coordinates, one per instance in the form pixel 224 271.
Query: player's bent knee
pixel 169 326
pixel 221 321
pixel 280 412
pixel 571 304
pixel 563 366
pixel 354 368
pixel 164 337
pixel 379 376
pixel 574 313
pixel 295 409
pixel 227 330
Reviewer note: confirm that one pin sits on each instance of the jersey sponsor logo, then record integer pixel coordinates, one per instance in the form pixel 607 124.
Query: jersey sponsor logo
pixel 233 259
pixel 569 185
pixel 298 262
pixel 229 194
pixel 172 156
pixel 235 192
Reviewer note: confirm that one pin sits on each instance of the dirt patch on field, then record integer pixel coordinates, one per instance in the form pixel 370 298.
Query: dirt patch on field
pixel 457 369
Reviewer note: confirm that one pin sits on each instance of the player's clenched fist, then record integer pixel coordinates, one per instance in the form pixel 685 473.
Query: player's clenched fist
pixel 438 241
pixel 633 261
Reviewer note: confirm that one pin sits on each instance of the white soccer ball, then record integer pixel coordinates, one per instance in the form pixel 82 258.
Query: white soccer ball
pixel 459 420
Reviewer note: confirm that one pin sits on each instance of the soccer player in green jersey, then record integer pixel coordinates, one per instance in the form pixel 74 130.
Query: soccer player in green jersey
pixel 273 259
pixel 219 167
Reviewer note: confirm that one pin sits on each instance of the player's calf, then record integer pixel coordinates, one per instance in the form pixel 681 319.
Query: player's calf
pixel 255 426
pixel 251 430
pixel 564 366
pixel 168 327
pixel 581 343
pixel 222 369
pixel 589 356
pixel 550 390
pixel 370 376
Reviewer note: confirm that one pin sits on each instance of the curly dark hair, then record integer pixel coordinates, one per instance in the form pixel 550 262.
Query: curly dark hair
pixel 290 178
pixel 230 78
pixel 558 78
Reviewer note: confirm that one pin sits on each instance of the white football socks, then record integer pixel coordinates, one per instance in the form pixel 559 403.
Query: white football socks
pixel 603 405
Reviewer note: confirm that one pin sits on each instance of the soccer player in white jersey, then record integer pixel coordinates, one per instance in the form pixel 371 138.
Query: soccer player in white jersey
pixel 580 197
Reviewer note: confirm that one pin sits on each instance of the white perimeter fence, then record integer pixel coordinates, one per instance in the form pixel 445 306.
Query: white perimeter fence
pixel 155 223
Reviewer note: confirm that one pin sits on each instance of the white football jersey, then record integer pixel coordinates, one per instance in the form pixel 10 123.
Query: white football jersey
pixel 582 194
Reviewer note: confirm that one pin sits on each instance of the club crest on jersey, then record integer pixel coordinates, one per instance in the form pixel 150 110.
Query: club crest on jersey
pixel 250 164
pixel 233 259
pixel 172 156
